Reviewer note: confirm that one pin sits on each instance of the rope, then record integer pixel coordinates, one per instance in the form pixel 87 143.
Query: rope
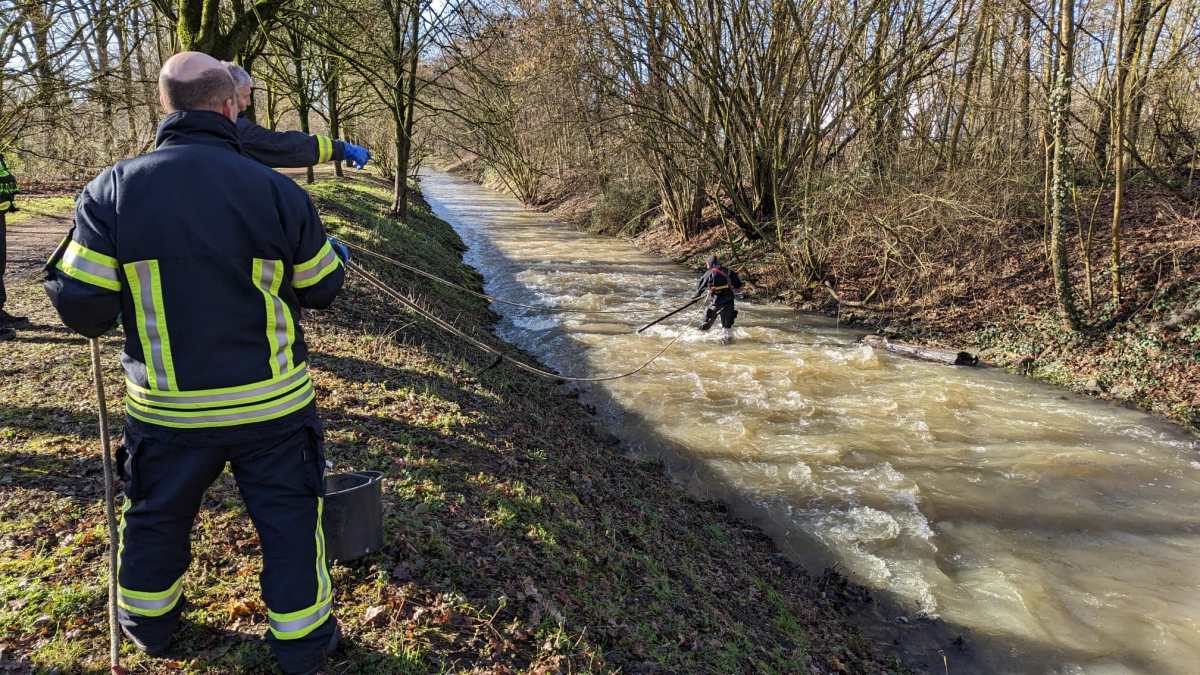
pixel 485 296
pixel 483 346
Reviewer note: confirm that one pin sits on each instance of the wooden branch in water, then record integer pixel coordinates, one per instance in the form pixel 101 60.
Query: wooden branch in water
pixel 946 356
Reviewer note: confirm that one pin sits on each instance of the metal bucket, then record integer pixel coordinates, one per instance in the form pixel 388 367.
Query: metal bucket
pixel 353 520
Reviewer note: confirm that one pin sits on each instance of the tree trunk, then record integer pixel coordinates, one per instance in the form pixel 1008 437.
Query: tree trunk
pixel 410 101
pixel 335 119
pixel 1061 189
pixel 303 104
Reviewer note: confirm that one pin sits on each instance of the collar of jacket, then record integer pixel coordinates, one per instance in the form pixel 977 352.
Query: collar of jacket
pixel 197 127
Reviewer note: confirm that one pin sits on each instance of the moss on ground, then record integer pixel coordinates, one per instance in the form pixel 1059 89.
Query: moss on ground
pixel 517 539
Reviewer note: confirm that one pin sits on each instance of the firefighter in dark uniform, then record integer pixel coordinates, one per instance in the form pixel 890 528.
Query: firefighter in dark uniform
pixel 720 283
pixel 8 204
pixel 291 149
pixel 207 257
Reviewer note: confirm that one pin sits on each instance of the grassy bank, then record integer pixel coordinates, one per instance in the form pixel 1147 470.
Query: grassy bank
pixel 518 539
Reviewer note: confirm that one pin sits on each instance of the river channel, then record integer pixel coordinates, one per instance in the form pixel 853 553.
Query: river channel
pixel 1056 534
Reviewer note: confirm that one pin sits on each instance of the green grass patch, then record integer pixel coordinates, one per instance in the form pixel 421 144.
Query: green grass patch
pixel 33 207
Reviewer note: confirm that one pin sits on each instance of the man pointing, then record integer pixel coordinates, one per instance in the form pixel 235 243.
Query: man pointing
pixel 206 257
pixel 279 149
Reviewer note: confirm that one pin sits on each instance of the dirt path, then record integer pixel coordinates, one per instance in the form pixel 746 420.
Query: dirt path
pixel 31 240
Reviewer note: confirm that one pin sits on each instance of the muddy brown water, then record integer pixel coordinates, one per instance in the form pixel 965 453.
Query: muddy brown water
pixel 1055 534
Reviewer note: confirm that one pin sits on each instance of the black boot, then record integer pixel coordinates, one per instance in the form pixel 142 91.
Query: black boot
pixel 7 334
pixel 157 651
pixel 329 649
pixel 11 321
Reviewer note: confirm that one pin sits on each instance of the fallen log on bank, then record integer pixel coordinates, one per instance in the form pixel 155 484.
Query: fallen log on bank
pixel 946 356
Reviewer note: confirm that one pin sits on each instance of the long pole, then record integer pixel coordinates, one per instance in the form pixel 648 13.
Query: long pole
pixel 664 317
pixel 114 632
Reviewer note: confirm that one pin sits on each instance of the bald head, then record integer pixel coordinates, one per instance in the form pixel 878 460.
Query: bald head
pixel 196 81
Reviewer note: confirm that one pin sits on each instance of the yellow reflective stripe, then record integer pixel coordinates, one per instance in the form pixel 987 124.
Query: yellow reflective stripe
pixel 215 419
pixel 324 148
pixel 324 585
pixel 121 534
pixel 150 604
pixel 313 270
pixel 95 256
pixel 312 262
pixel 89 266
pixel 213 392
pixel 226 411
pixel 267 287
pixel 222 402
pixel 295 625
pixel 145 284
pixel 291 327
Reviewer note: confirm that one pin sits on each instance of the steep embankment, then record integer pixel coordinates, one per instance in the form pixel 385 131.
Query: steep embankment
pixel 517 538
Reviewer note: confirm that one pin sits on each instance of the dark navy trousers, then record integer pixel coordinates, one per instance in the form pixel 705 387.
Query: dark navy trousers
pixel 280 474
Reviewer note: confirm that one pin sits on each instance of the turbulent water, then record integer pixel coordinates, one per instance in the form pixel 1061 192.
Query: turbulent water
pixel 1056 534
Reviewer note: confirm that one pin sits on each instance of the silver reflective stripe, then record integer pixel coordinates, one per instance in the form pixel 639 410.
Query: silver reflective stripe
pixel 304 622
pixel 255 413
pixel 72 259
pixel 312 272
pixel 271 388
pixel 145 278
pixel 152 605
pixel 271 269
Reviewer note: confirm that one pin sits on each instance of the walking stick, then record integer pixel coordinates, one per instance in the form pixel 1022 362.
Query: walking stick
pixel 664 317
pixel 114 631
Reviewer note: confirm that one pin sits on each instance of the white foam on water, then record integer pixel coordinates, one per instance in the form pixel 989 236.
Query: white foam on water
pixel 535 323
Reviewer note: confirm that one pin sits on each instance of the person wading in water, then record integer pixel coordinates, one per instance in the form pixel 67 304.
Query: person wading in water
pixel 720 282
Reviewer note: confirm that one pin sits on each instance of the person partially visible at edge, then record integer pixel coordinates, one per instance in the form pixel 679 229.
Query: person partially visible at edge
pixel 720 283
pixel 206 258
pixel 8 204
pixel 290 149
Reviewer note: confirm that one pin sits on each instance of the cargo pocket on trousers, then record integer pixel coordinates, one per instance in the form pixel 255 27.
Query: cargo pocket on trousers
pixel 314 459
pixel 128 456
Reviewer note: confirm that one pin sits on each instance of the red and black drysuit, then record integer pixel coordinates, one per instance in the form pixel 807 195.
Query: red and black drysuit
pixel 720 283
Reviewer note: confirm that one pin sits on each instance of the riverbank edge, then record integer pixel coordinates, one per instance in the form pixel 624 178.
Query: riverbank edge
pixel 1135 368
pixel 519 537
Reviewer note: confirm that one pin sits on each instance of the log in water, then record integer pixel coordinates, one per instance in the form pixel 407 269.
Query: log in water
pixel 1058 534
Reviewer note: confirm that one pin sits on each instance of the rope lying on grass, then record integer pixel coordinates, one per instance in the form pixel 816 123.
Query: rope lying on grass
pixel 483 346
pixel 485 296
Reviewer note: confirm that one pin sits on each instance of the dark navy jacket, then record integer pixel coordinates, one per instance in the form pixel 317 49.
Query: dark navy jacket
pixel 292 149
pixel 206 258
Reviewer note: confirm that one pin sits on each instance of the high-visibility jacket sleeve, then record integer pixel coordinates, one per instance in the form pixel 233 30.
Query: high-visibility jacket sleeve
pixel 319 273
pixel 83 278
pixel 291 149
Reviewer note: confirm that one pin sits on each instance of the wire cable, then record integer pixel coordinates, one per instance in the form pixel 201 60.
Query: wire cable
pixel 491 298
pixel 483 346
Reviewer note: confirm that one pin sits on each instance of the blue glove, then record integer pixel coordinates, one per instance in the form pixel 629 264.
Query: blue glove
pixel 339 249
pixel 357 155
